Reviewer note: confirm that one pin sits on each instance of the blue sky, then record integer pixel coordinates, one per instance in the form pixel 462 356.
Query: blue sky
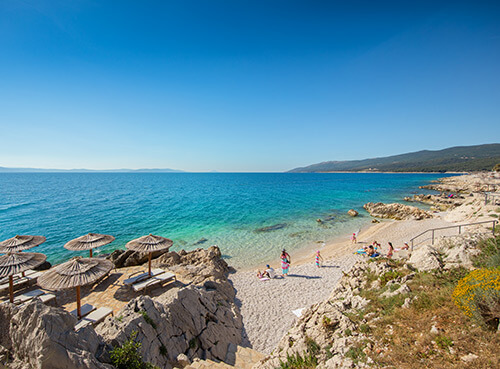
pixel 243 85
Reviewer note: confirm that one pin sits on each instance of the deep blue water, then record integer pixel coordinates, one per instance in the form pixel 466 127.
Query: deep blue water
pixel 224 208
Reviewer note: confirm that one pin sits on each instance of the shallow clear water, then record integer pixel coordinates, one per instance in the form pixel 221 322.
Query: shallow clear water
pixel 224 208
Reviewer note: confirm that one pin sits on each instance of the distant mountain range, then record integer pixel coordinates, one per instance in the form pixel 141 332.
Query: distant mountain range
pixel 38 170
pixel 453 159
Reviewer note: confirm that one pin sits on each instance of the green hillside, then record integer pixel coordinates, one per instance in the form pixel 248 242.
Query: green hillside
pixel 453 159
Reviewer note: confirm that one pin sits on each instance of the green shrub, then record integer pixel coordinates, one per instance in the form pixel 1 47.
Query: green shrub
pixel 128 356
pixel 389 276
pixel 478 296
pixel 443 342
pixel 356 354
pixel 148 319
pixel 364 328
pixel 490 253
pixel 308 361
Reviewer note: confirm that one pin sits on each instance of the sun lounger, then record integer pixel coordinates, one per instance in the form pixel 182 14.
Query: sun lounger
pixel 94 318
pixel 27 296
pixel 45 298
pixel 156 280
pixel 143 275
pixel 85 309
pixel 17 283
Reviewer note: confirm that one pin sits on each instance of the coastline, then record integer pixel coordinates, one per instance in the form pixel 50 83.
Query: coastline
pixel 267 306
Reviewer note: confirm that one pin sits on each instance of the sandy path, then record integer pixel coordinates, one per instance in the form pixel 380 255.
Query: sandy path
pixel 267 306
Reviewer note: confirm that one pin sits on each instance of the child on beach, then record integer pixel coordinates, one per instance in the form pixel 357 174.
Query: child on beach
pixel 317 259
pixel 353 238
pixel 285 262
pixel 405 247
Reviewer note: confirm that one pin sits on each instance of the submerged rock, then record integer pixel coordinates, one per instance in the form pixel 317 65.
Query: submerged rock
pixel 271 228
pixel 200 241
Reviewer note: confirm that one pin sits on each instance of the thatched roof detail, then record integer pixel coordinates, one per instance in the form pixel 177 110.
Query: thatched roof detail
pixel 17 262
pixel 89 241
pixel 149 243
pixel 20 243
pixel 75 272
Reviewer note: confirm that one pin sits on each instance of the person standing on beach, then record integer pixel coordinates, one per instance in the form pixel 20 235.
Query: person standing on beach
pixel 391 251
pixel 285 262
pixel 317 259
pixel 353 238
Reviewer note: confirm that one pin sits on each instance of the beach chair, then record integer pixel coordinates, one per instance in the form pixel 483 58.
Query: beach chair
pixel 135 277
pixel 153 281
pixel 20 281
pixel 85 310
pixel 95 317
pixel 27 296
pixel 45 298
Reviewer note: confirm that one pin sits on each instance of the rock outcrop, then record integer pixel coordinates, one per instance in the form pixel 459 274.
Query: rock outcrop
pixel 396 211
pixel 352 213
pixel 197 320
pixel 37 336
pixel 439 202
pixel 426 258
pixel 128 258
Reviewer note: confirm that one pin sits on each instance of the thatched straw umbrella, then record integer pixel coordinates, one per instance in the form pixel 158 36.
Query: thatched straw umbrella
pixel 149 244
pixel 75 273
pixel 89 241
pixel 20 243
pixel 13 263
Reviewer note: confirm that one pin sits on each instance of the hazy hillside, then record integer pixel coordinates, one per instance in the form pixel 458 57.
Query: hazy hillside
pixel 460 158
pixel 39 170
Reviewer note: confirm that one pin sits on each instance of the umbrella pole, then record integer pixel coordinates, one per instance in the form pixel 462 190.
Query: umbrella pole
pixel 11 288
pixel 78 307
pixel 90 252
pixel 149 258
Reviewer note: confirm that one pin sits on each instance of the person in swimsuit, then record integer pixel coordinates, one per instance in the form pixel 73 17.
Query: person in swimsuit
pixel 285 262
pixel 391 251
pixel 317 258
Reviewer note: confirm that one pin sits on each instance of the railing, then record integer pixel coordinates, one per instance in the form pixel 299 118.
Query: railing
pixel 490 196
pixel 494 222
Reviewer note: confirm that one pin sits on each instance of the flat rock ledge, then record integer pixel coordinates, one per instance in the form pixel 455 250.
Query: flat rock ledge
pixel 396 211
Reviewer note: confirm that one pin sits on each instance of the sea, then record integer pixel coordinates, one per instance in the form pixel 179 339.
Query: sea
pixel 250 216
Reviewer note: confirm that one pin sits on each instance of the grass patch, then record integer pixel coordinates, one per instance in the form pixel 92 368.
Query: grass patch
pixel 307 360
pixel 490 253
pixel 356 354
pixel 412 345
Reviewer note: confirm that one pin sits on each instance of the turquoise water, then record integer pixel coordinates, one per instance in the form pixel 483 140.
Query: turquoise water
pixel 224 208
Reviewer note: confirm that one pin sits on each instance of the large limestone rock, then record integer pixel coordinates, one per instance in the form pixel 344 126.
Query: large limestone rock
pixel 128 258
pixel 37 336
pixel 458 250
pixel 396 211
pixel 425 258
pixel 198 320
pixel 194 321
